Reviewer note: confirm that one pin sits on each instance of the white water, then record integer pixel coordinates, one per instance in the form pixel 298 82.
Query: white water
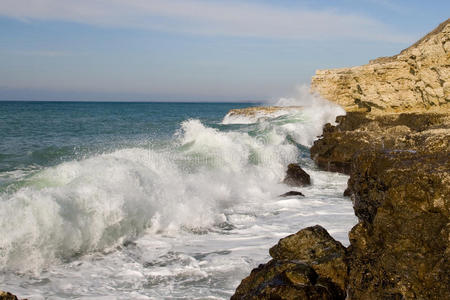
pixel 188 221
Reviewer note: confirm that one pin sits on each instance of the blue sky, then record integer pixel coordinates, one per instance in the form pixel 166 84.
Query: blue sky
pixel 194 50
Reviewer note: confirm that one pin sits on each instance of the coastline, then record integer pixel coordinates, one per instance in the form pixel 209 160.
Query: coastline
pixel 397 159
pixel 394 143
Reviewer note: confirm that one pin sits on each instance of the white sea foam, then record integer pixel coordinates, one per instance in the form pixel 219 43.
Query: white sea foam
pixel 258 116
pixel 194 217
pixel 90 205
pixel 303 125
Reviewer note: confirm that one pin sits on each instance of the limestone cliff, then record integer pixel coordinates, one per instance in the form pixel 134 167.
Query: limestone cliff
pixel 394 143
pixel 415 80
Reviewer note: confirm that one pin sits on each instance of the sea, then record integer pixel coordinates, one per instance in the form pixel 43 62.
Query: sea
pixel 155 200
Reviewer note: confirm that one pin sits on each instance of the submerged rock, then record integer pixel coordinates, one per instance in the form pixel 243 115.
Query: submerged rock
pixel 292 193
pixel 296 176
pixel 307 265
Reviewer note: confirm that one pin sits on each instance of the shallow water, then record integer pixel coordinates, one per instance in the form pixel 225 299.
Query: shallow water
pixel 153 200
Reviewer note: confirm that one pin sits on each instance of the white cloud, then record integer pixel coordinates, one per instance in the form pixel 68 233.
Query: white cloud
pixel 213 17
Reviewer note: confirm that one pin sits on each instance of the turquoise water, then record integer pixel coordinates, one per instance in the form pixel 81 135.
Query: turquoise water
pixel 153 200
pixel 39 134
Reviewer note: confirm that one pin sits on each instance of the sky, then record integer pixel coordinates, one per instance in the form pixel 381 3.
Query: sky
pixel 194 50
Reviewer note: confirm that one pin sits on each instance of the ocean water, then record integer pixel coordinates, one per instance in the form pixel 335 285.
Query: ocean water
pixel 154 200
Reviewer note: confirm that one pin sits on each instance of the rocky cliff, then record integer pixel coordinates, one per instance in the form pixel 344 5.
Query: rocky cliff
pixel 415 80
pixel 394 142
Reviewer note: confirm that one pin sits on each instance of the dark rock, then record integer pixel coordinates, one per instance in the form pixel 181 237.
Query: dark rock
pixel 292 193
pixel 347 192
pixel 399 182
pixel 7 296
pixel 400 247
pixel 296 176
pixel 357 132
pixel 306 265
pixel 314 246
pixel 286 279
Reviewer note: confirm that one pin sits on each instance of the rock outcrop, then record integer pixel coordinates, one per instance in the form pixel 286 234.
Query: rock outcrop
pixel 307 265
pixel 400 247
pixel 360 132
pixel 316 247
pixel 296 176
pixel 394 142
pixel 416 80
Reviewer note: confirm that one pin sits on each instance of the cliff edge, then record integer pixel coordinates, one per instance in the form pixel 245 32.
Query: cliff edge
pixel 415 80
pixel 394 142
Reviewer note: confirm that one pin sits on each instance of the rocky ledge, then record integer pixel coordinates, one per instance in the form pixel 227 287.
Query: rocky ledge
pixel 394 142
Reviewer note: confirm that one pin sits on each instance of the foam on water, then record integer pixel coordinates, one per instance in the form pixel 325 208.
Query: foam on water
pixel 187 220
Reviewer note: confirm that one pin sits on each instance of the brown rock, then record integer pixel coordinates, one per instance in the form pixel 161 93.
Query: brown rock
pixel 314 246
pixel 296 176
pixel 359 132
pixel 400 247
pixel 286 279
pixel 7 296
pixel 397 154
pixel 306 265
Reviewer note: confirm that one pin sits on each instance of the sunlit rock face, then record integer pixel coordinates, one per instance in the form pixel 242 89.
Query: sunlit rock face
pixel 394 143
pixel 415 80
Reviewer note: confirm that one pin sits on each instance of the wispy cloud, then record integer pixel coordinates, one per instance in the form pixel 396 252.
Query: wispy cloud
pixel 41 53
pixel 213 17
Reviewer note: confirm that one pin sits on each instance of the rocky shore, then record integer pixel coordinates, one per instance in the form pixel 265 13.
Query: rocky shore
pixel 394 142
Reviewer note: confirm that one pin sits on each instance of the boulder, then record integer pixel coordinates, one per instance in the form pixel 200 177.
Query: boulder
pixel 288 280
pixel 307 265
pixel 296 176
pixel 314 246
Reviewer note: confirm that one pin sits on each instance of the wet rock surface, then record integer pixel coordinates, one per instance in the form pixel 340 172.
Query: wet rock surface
pixel 307 265
pixel 296 176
